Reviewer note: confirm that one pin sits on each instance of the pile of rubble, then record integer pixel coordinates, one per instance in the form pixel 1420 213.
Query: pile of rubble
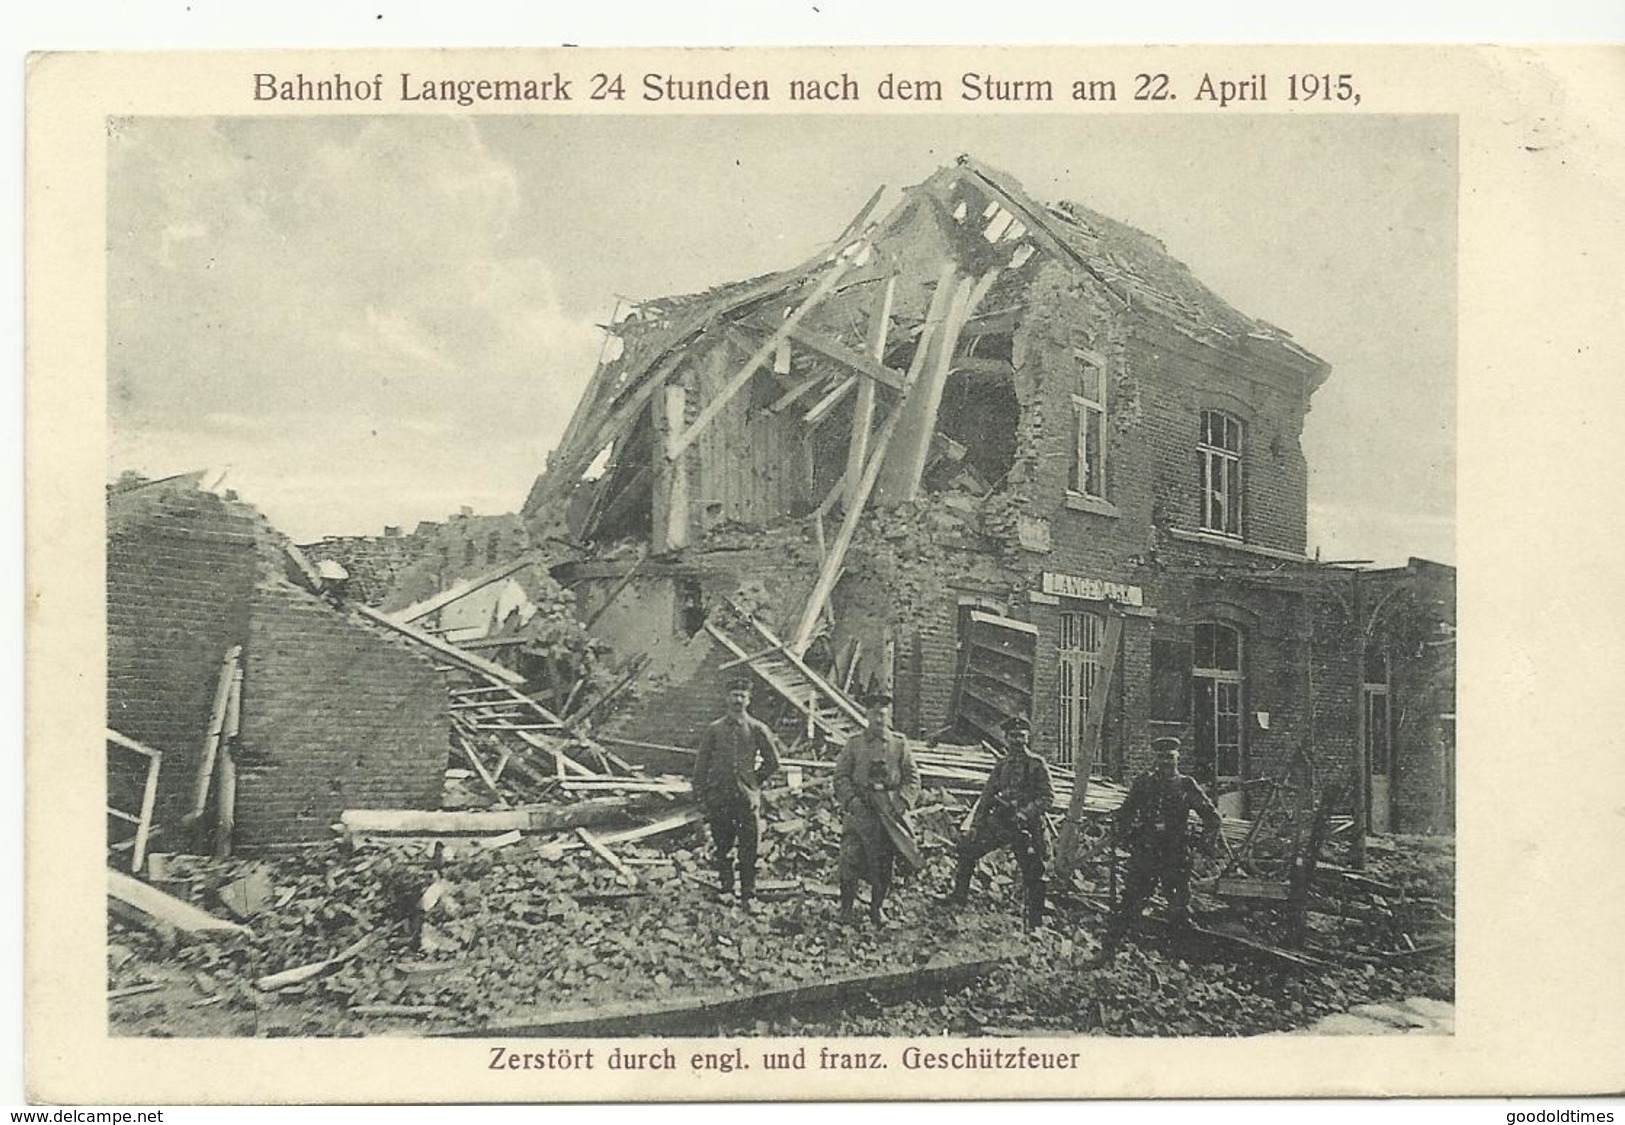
pixel 541 927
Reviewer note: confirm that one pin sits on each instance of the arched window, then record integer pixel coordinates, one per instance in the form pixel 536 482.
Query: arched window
pixel 1216 682
pixel 1218 451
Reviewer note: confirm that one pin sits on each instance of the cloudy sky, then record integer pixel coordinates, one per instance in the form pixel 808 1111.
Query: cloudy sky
pixel 377 320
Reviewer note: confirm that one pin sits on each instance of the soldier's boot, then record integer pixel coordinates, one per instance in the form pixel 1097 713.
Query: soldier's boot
pixel 877 906
pixel 725 877
pixel 849 898
pixel 960 895
pixel 747 887
pixel 1033 917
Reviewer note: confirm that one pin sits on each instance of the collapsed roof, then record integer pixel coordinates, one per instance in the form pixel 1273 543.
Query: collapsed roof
pixel 891 309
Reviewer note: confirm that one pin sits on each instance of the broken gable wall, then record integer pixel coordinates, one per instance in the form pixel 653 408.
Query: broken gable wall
pixel 336 715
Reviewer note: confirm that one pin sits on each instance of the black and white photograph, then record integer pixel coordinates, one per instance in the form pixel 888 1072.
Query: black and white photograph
pixel 832 577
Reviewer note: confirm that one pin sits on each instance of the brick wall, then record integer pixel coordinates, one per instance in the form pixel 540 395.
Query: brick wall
pixel 336 715
pixel 180 565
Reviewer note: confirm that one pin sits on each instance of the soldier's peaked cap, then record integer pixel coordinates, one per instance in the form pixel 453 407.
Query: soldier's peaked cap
pixel 739 683
pixel 1165 744
pixel 876 697
pixel 1017 722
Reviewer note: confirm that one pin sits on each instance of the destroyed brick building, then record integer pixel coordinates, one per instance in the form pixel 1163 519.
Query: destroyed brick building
pixel 222 657
pixel 1002 458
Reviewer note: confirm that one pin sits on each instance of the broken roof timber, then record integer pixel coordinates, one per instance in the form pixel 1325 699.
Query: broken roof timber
pixel 847 259
pixel 461 590
pixel 447 651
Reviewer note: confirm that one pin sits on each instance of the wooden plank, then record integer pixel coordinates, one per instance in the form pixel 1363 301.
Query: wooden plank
pixel 847 260
pixel 211 740
pixel 434 822
pixel 461 590
pixel 449 652
pixel 129 743
pixel 821 409
pixel 134 990
pixel 287 978
pixel 485 775
pixel 604 853
pixel 789 397
pixel 859 363
pixel 150 906
pixel 706 1010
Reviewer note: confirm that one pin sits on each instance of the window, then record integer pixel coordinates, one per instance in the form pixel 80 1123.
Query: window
pixel 1219 451
pixel 1379 750
pixel 1216 689
pixel 1079 651
pixel 1088 471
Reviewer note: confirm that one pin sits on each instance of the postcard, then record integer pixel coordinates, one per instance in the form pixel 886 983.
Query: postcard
pixel 820 573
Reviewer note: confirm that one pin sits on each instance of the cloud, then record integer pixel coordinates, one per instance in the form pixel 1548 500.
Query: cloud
pixel 266 275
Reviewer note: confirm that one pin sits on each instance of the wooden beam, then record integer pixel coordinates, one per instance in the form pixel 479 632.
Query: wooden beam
pixel 444 649
pixel 789 397
pixel 941 302
pixel 604 853
pixel 211 740
pixel 485 822
pixel 461 590
pixel 902 476
pixel 846 261
pixel 863 413
pixel 867 365
pixel 829 402
pixel 149 906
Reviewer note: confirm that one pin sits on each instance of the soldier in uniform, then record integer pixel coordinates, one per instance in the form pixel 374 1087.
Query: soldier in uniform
pixel 1152 824
pixel 737 754
pixel 876 783
pixel 1010 814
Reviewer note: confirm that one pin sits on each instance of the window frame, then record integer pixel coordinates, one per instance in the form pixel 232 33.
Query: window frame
pixel 1226 517
pixel 1078 666
pixel 1081 481
pixel 1216 674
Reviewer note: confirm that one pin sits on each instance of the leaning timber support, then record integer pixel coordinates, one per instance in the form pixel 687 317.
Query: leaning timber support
pixel 943 301
pixel 905 464
pixel 863 414
pixel 710 1010
pixel 211 741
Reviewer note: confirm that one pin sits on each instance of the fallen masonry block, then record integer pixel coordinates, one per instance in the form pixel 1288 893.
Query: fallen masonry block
pixel 695 1013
